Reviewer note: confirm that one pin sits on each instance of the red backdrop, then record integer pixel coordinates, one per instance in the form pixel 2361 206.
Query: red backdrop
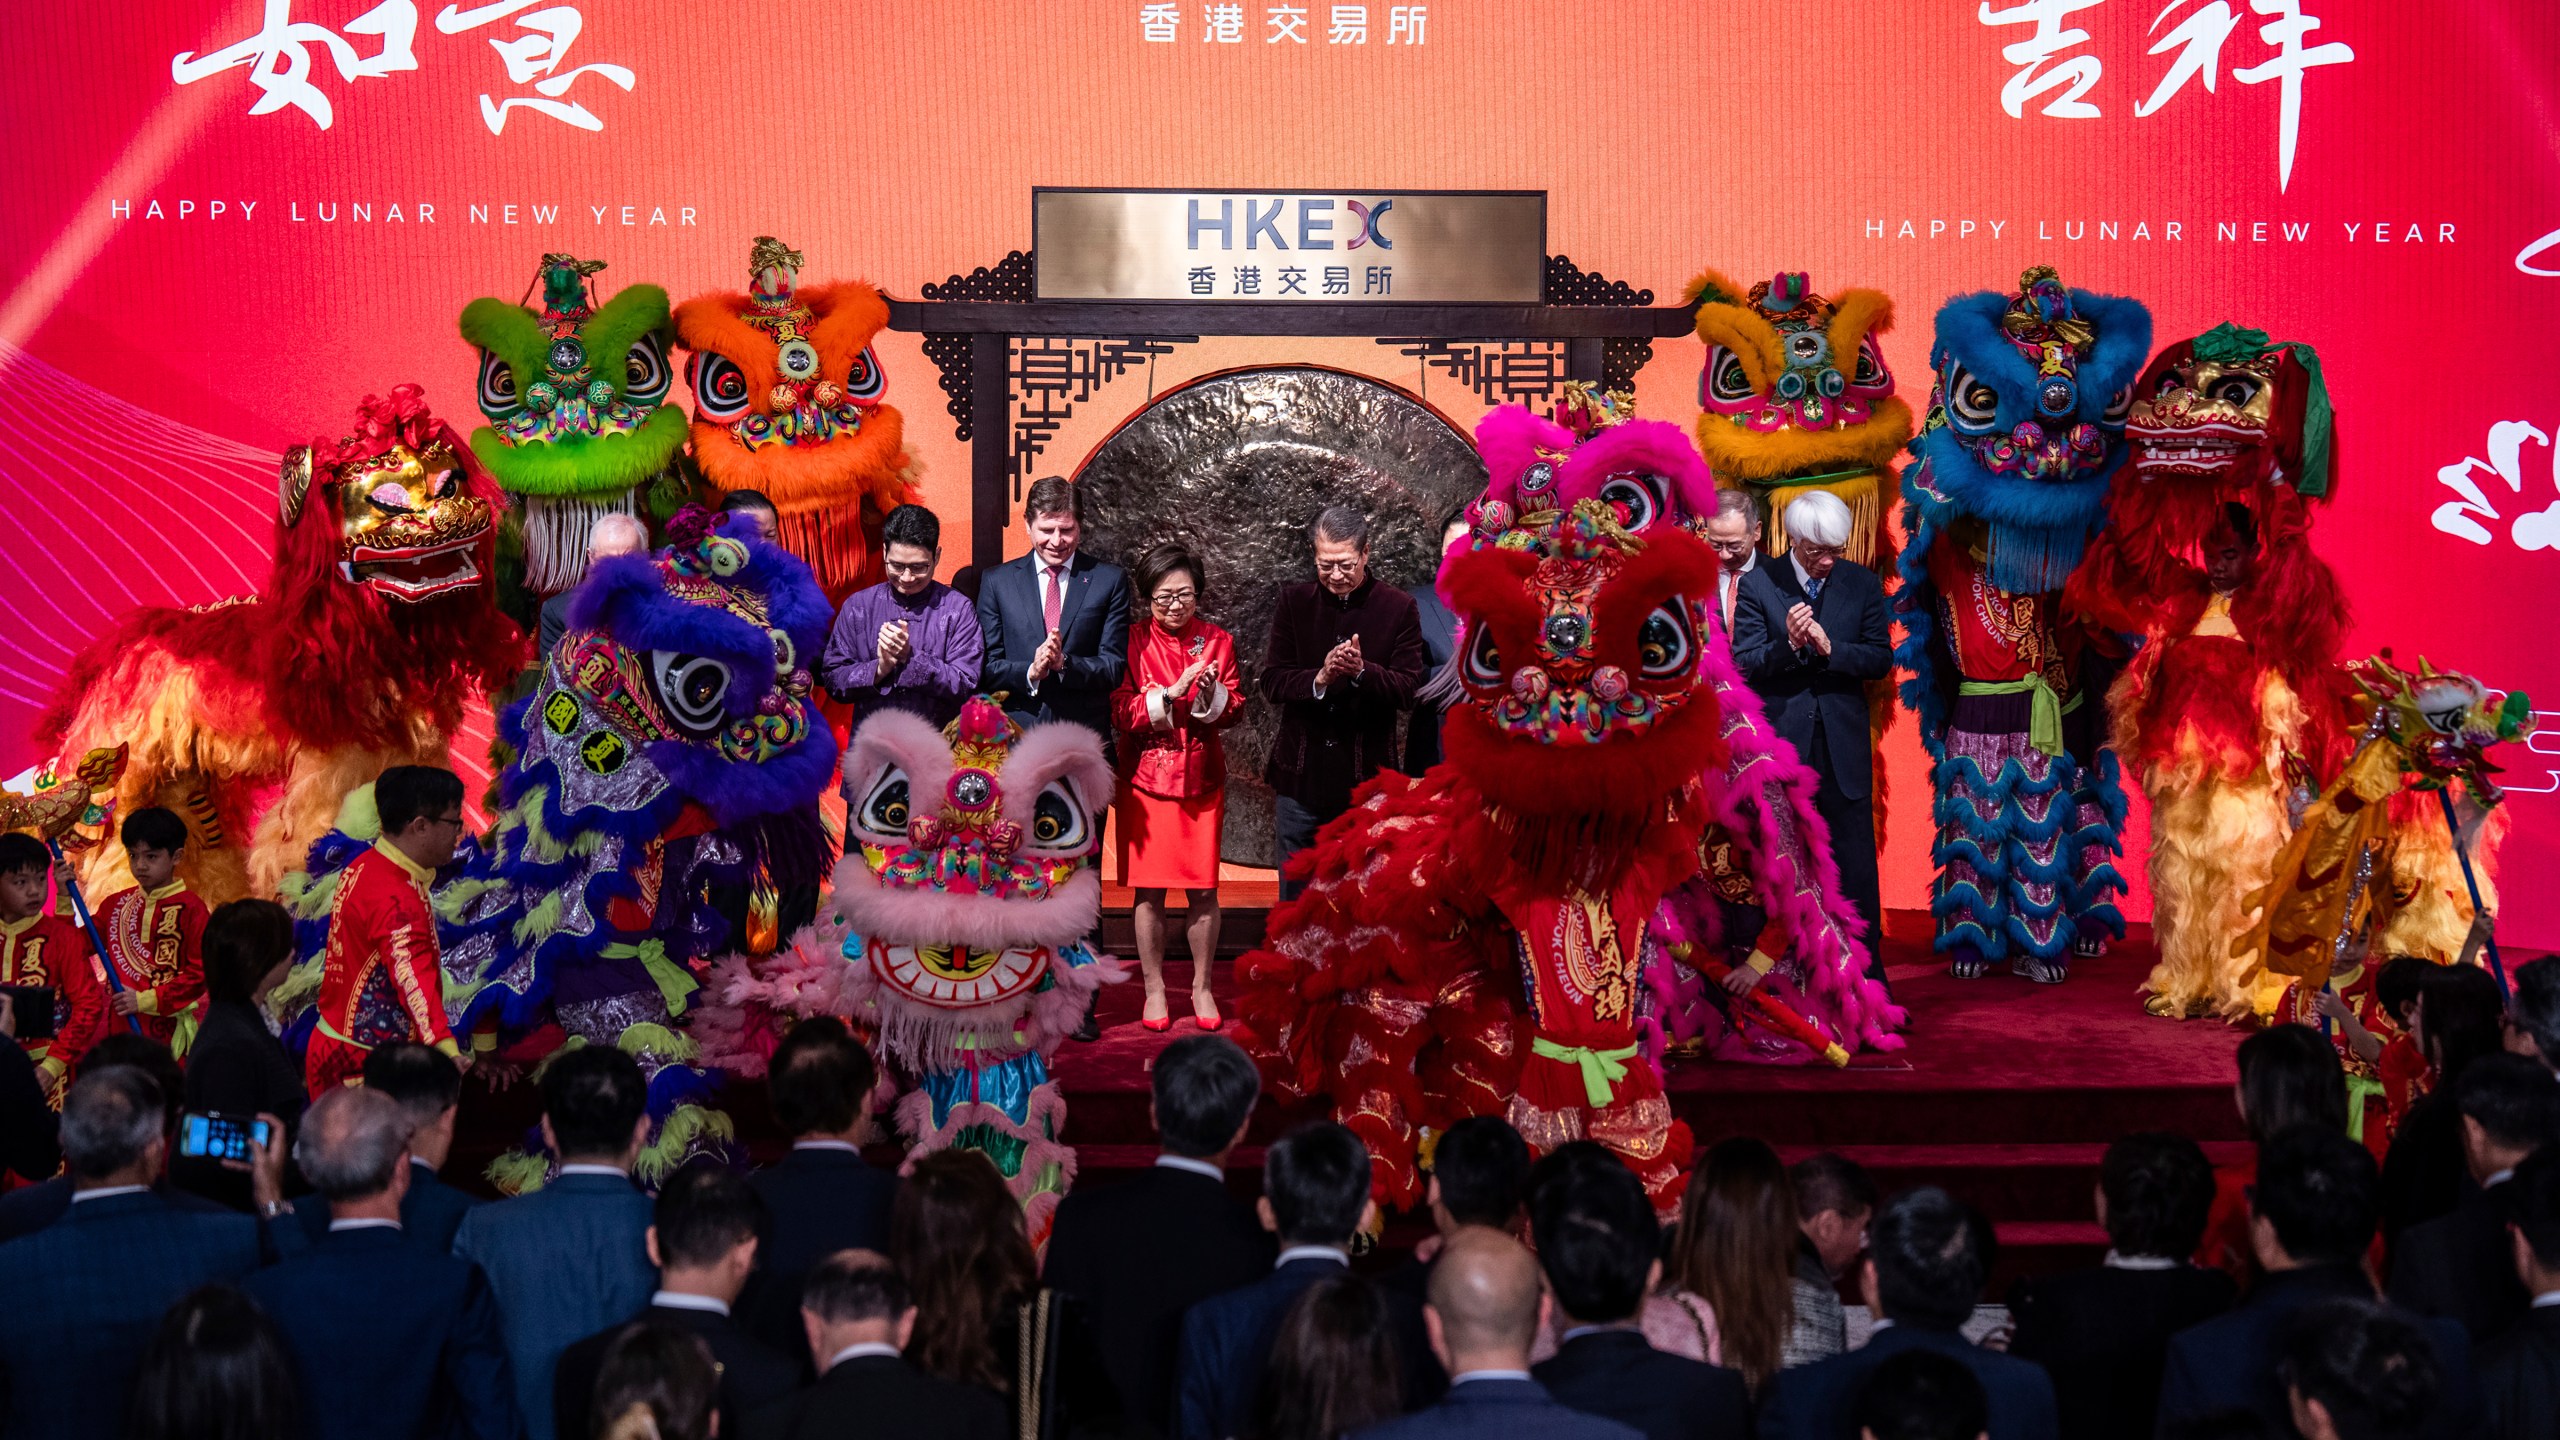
pixel 192 286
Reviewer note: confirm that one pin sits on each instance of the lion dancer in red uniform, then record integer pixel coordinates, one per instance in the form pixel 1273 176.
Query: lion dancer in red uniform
pixel 47 952
pixel 381 980
pixel 155 932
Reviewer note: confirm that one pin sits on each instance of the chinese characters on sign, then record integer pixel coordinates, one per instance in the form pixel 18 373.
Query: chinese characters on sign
pixel 2536 527
pixel 1290 247
pixel 279 58
pixel 2047 62
pixel 1160 23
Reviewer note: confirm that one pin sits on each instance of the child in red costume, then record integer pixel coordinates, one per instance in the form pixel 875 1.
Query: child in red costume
pixel 155 932
pixel 50 952
pixel 2366 1010
pixel 381 980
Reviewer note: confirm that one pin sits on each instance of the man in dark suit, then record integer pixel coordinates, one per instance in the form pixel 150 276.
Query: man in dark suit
pixel 858 1314
pixel 613 534
pixel 1928 1255
pixel 2359 1368
pixel 704 1242
pixel 572 1257
pixel 1136 1255
pixel 2317 1201
pixel 428 1086
pixel 822 1197
pixel 2520 1370
pixel 1056 621
pixel 1809 632
pixel 1733 532
pixel 388 1337
pixel 2533 1013
pixel 1921 1395
pixel 30 1208
pixel 1479 1176
pixel 1315 1183
pixel 1485 1309
pixel 27 1124
pixel 1601 1245
pixel 1345 656
pixel 85 1293
pixel 2462 1265
pixel 2102 1334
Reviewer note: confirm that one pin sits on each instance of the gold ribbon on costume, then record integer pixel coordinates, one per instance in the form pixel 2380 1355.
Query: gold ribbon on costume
pixel 2044 711
pixel 1601 1069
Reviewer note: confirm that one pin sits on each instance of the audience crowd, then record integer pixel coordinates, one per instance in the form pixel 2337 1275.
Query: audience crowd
pixel 331 1284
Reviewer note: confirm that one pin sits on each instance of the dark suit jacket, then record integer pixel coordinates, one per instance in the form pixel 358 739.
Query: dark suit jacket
pixel 817 1202
pixel 237 1068
pixel 1500 1410
pixel 2520 1377
pixel 2103 1336
pixel 1326 746
pixel 752 1373
pixel 2460 1266
pixel 2230 1363
pixel 1804 688
pixel 1226 1339
pixel 1616 1375
pixel 1093 618
pixel 565 1261
pixel 429 1214
pixel 1136 1255
pixel 27 1123
pixel 390 1338
pixel 1439 642
pixel 883 1395
pixel 2424 1176
pixel 85 1296
pixel 30 1208
pixel 1814 1402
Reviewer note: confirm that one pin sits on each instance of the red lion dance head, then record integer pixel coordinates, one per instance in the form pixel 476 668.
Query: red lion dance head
pixel 385 540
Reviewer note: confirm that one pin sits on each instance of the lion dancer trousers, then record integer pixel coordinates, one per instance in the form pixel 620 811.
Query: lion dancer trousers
pixel 1581 961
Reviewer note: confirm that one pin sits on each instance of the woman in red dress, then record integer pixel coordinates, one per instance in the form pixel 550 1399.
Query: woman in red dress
pixel 1180 690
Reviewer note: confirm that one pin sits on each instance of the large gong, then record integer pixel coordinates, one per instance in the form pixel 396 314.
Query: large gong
pixel 1238 464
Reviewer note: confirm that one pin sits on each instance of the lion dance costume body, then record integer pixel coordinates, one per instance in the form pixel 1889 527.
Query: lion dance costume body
pixel 254 716
pixel 955 936
pixel 2233 708
pixel 2025 427
pixel 675 707
pixel 786 402
pixel 576 397
pixel 1476 941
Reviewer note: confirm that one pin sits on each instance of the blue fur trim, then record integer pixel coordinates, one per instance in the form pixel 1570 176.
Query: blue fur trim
pixel 1993 913
pixel 1969 329
pixel 1929 689
pixel 735 791
pixel 679 1084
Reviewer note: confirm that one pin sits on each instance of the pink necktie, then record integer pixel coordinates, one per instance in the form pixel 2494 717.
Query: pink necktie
pixel 1050 600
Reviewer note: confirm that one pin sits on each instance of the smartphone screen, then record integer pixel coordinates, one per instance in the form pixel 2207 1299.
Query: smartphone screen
pixel 207 1135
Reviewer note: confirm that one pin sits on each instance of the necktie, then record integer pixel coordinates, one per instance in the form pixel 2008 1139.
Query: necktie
pixel 1813 590
pixel 1050 599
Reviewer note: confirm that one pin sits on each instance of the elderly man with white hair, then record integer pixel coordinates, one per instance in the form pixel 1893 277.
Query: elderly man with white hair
pixel 613 534
pixel 389 1336
pixel 1809 632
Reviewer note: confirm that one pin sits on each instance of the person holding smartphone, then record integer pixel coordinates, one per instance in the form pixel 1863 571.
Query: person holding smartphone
pixel 236 1067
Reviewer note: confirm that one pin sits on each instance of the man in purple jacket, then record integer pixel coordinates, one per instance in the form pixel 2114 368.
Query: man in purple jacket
pixel 911 643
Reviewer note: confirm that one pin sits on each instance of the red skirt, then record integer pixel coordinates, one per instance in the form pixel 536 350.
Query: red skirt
pixel 1169 844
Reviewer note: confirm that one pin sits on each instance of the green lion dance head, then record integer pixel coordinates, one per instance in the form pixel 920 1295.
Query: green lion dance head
pixel 576 395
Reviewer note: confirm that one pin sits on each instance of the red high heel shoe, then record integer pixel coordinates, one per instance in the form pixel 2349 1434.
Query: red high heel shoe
pixel 1205 1013
pixel 1156 1024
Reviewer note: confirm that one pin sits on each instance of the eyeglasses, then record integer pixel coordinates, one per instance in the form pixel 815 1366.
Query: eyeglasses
pixel 1340 567
pixel 454 820
pixel 1166 599
pixel 1812 551
pixel 924 567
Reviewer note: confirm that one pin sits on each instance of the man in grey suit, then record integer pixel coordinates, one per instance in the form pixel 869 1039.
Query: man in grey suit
pixel 572 1257
pixel 1809 633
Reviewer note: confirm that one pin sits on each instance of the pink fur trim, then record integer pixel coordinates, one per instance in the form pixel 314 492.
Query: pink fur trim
pixel 937 917
pixel 903 739
pixel 1054 750
pixel 1799 882
pixel 1647 447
